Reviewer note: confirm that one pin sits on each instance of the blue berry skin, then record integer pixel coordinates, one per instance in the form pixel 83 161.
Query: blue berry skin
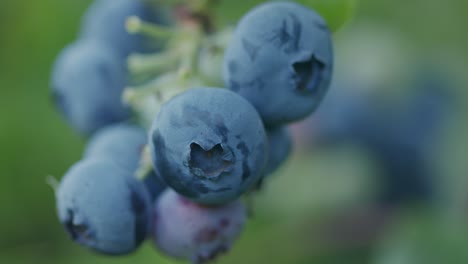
pixel 279 148
pixel 154 184
pixel 280 59
pixel 209 145
pixel 102 208
pixel 123 144
pixel 105 21
pixel 186 230
pixel 87 82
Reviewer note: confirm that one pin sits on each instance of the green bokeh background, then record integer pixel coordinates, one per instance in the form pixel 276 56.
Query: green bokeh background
pixel 35 142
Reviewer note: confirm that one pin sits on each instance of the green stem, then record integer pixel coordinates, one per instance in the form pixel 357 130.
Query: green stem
pixel 152 63
pixel 135 25
pixel 52 182
pixel 132 95
pixel 190 49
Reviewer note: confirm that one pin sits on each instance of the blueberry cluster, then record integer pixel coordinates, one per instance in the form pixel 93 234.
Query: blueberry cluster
pixel 170 155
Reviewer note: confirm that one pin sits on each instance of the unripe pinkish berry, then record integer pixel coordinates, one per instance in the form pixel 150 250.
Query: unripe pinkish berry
pixel 186 230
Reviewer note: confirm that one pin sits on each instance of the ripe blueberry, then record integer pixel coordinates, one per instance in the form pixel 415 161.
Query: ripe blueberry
pixel 279 148
pixel 123 144
pixel 280 58
pixel 209 145
pixel 102 208
pixel 87 83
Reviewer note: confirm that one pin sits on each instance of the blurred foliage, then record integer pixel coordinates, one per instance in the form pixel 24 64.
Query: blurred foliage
pixel 335 12
pixel 309 190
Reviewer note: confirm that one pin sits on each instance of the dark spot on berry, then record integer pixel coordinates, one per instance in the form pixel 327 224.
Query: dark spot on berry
pixel 296 33
pixel 243 149
pixel 245 170
pixel 285 39
pixel 222 131
pixel 281 36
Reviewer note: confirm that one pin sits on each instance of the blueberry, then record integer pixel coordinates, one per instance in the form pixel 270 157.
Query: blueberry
pixel 122 143
pixel 280 58
pixel 154 184
pixel 279 148
pixel 105 21
pixel 87 82
pixel 186 230
pixel 102 208
pixel 209 144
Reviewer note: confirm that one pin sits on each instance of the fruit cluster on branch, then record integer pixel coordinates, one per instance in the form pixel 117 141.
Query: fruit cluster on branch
pixel 184 118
